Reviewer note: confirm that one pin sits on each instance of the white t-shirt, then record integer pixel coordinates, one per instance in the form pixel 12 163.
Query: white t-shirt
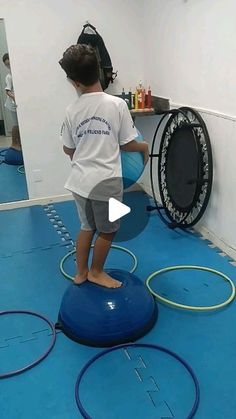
pixel 96 125
pixel 10 104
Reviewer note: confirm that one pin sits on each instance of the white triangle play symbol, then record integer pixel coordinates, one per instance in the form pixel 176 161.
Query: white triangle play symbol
pixel 117 210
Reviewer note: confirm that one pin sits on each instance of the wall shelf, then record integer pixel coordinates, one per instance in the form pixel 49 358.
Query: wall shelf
pixel 159 105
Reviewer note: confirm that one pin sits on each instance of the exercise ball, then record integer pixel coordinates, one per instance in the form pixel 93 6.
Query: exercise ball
pixel 97 316
pixel 13 156
pixel 132 165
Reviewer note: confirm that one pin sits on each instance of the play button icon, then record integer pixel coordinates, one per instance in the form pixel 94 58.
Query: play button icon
pixel 117 210
pixel 129 206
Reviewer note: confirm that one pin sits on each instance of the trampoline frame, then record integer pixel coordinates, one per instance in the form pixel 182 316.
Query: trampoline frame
pixel 174 216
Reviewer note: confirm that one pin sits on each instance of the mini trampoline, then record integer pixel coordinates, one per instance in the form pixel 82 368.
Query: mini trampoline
pixel 184 169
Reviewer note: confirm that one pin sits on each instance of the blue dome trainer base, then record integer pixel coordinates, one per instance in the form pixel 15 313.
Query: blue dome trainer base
pixel 14 157
pixel 102 317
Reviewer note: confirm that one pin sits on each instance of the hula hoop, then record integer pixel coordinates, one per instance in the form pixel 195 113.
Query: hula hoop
pixel 113 246
pixel 2 155
pixel 3 151
pixel 188 307
pixel 137 345
pixel 42 357
pixel 21 170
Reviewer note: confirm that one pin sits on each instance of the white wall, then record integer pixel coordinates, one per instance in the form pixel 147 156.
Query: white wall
pixel 38 33
pixel 191 53
pixel 185 48
pixel 191 59
pixel 220 215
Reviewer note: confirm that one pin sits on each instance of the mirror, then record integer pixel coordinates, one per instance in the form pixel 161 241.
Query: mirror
pixel 13 185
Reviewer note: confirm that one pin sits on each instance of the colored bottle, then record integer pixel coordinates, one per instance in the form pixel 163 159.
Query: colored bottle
pixel 130 99
pixel 149 98
pixel 146 101
pixel 139 90
pixel 136 99
pixel 123 93
pixel 143 98
pixel 133 100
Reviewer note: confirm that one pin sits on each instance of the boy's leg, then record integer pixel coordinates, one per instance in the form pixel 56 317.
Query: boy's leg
pixel 83 244
pixel 85 237
pixel 16 142
pixel 102 245
pixel 100 252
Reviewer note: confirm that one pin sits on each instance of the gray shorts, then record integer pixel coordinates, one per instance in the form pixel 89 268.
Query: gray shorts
pixel 93 215
pixel 14 119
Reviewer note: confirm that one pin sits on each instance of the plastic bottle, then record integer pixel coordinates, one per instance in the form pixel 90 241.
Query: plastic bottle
pixel 149 98
pixel 133 100
pixel 136 99
pixel 123 93
pixel 130 99
pixel 143 98
pixel 139 90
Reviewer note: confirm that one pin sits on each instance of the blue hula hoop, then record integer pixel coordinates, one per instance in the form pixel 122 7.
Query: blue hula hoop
pixel 3 151
pixel 137 345
pixel 42 357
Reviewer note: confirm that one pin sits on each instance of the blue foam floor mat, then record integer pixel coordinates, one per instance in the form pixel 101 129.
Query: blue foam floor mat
pixel 26 229
pixel 144 384
pixel 13 185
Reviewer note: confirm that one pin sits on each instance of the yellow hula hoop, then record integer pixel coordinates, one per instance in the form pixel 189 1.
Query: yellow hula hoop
pixel 113 246
pixel 188 307
pixel 21 169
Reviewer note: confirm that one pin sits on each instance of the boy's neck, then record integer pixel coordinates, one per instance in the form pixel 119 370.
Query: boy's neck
pixel 92 89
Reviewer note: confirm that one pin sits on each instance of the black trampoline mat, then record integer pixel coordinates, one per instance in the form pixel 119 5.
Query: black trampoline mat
pixel 182 167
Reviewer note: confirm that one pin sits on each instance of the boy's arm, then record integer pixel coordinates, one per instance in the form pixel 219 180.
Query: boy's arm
pixel 67 138
pixel 140 146
pixel 9 87
pixel 69 151
pixel 128 133
pixel 10 94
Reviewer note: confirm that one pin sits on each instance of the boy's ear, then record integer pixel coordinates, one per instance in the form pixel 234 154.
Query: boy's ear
pixel 74 83
pixel 77 84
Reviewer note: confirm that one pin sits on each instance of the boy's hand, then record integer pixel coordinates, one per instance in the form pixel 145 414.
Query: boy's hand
pixel 146 155
pixel 141 146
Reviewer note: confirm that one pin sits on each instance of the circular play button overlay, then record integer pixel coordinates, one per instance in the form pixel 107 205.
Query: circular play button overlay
pixel 109 209
pixel 132 225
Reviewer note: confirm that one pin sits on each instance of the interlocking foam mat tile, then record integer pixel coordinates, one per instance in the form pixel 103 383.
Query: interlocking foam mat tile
pixel 137 383
pixel 13 185
pixel 25 229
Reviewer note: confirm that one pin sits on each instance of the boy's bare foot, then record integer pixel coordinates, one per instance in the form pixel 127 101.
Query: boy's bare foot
pixel 103 279
pixel 79 278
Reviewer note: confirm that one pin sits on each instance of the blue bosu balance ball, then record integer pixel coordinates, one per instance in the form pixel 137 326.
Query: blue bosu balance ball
pixel 99 316
pixel 14 157
pixel 132 165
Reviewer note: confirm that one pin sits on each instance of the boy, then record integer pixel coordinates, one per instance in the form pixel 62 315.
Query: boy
pixel 97 126
pixel 10 104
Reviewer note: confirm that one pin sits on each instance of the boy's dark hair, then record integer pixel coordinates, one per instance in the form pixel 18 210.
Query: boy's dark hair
pixel 80 64
pixel 5 57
